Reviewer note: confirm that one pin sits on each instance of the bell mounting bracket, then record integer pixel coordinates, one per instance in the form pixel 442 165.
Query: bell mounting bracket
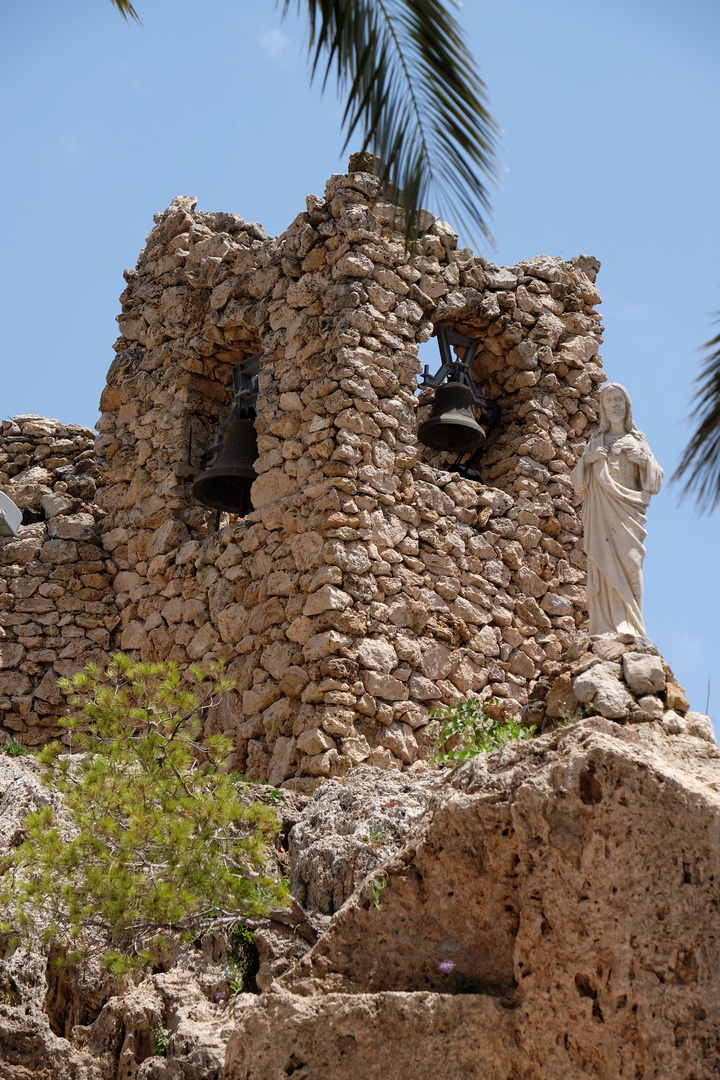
pixel 245 387
pixel 452 369
pixel 245 392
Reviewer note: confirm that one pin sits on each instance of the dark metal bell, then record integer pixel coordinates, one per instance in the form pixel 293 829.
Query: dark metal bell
pixel 452 425
pixel 225 484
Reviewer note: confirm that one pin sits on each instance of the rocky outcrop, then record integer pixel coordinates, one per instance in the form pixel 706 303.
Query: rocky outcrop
pixel 568 884
pixel 348 829
pixel 546 910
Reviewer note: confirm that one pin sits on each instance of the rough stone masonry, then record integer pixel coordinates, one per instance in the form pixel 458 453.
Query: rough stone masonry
pixel 369 584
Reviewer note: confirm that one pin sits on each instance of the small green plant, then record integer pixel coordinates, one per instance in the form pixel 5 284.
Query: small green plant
pixel 242 953
pixel 567 718
pixel 236 982
pixel 265 793
pixel 13 748
pixel 468 729
pixel 376 837
pixel 161 1042
pixel 156 837
pixel 378 887
pixel 242 938
pixel 242 947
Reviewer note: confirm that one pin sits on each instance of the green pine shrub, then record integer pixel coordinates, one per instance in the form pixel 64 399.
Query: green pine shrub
pixel 153 836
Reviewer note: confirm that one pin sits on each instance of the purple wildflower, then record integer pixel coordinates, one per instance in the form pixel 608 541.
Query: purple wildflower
pixel 220 996
pixel 446 966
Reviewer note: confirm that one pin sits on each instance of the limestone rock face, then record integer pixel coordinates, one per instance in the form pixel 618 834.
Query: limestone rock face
pixel 371 1037
pixel 349 827
pixel 570 883
pixel 196 1035
pixel 47 1027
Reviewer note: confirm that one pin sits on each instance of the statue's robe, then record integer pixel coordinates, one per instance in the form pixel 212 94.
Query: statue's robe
pixel 614 533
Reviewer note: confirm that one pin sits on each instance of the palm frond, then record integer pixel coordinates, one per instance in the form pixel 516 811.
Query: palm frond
pixel 126 9
pixel 699 467
pixel 414 95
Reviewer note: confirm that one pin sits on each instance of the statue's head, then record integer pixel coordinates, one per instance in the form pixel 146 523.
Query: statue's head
pixel 615 405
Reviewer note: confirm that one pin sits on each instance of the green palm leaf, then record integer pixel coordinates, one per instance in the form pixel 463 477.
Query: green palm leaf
pixel 699 466
pixel 126 9
pixel 414 95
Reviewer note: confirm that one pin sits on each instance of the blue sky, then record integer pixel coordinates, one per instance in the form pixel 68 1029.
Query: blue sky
pixel 611 146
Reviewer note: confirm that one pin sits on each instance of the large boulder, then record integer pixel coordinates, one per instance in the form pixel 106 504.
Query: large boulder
pixel 568 884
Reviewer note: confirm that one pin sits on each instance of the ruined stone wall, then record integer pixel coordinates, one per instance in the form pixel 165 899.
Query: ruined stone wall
pixel 57 604
pixel 369 584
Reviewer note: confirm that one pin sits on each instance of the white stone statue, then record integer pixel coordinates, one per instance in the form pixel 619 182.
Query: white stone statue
pixel 616 476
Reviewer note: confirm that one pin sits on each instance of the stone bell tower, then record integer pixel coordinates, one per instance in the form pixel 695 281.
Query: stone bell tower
pixel 369 584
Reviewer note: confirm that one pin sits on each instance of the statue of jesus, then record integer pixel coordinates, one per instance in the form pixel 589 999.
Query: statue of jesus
pixel 616 476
